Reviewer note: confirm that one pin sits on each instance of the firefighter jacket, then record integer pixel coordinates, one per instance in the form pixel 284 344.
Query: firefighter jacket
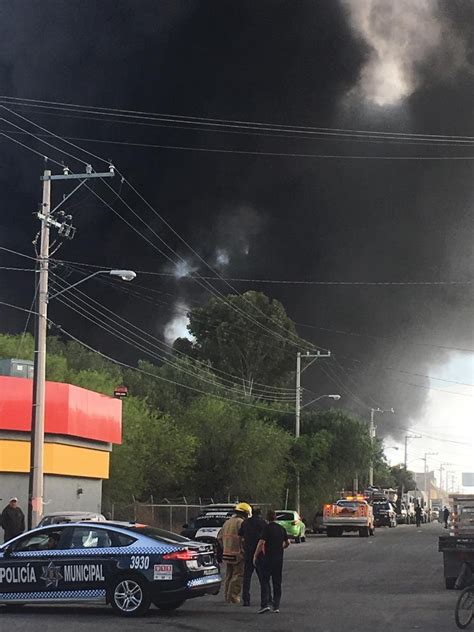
pixel 231 542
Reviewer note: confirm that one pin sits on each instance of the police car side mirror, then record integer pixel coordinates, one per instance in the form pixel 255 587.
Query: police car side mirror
pixel 185 525
pixel 8 551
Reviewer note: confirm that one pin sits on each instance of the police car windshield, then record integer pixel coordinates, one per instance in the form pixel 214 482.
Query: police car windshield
pixel 157 534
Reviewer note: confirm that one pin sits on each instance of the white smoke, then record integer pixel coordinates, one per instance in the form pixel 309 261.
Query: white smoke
pixel 402 34
pixel 183 269
pixel 222 258
pixel 177 326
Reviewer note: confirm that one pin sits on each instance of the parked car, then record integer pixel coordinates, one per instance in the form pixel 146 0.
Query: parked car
pixel 384 514
pixel 126 565
pixel 59 517
pixel 402 515
pixel 292 523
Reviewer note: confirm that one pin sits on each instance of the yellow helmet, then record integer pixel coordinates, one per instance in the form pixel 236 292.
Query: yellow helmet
pixel 244 508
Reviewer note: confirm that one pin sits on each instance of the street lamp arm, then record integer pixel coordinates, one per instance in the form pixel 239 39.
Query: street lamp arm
pixel 334 397
pixel 125 275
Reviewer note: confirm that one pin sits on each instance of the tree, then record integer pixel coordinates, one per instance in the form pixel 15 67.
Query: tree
pixel 156 457
pixel 332 449
pixel 230 334
pixel 239 455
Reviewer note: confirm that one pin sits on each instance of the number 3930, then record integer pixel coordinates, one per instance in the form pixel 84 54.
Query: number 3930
pixel 141 562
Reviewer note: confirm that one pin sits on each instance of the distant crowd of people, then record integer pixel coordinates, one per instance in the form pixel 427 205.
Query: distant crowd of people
pixel 248 543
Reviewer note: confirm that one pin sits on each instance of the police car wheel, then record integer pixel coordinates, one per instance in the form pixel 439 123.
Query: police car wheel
pixel 130 596
pixel 173 605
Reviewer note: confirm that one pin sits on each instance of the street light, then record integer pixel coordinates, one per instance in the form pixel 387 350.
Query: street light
pixel 334 397
pixel 36 475
pixel 125 275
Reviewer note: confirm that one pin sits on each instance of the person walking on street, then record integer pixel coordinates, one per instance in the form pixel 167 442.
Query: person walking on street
pixel 446 516
pixel 418 513
pixel 251 531
pixel 273 542
pixel 233 552
pixel 12 520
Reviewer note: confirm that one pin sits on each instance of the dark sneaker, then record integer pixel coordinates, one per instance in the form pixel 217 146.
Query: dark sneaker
pixel 276 610
pixel 263 610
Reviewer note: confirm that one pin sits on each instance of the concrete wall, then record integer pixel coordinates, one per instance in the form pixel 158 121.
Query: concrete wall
pixel 60 492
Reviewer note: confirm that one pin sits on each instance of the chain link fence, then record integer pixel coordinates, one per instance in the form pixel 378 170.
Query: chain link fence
pixel 169 516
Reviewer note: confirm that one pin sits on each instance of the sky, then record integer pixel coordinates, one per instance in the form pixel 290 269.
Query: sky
pixel 269 212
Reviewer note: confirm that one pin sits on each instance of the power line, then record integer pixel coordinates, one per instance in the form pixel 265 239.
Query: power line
pixel 284 281
pixel 145 344
pixel 296 342
pixel 377 337
pixel 40 140
pixel 164 379
pixel 185 311
pixel 172 351
pixel 16 252
pixel 219 121
pixel 17 269
pixel 254 132
pixel 274 154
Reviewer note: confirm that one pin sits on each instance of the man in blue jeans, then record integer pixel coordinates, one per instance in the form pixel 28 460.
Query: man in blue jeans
pixel 269 558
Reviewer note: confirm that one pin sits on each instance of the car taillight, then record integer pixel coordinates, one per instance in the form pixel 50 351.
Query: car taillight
pixel 180 555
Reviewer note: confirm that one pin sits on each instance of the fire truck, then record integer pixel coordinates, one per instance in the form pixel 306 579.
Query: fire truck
pixel 457 546
pixel 352 513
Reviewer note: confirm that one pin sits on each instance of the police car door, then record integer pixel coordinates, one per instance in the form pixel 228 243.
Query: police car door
pixel 30 567
pixel 90 560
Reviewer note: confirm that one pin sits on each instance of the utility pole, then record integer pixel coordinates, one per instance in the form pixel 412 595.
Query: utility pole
pixel 39 377
pixel 372 429
pixel 66 230
pixel 425 458
pixel 418 436
pixel 441 467
pixel 314 357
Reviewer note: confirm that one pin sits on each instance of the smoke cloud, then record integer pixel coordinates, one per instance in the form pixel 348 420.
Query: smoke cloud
pixel 177 326
pixel 401 36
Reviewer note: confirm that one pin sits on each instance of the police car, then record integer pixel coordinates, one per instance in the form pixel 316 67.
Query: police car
pixel 206 526
pixel 127 565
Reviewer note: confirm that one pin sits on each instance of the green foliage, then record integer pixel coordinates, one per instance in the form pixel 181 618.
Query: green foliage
pixel 180 441
pixel 238 455
pixel 155 457
pixel 333 448
pixel 21 347
pixel 226 338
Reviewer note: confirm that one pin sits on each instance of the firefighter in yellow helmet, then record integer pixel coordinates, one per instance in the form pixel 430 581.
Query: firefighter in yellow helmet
pixel 233 553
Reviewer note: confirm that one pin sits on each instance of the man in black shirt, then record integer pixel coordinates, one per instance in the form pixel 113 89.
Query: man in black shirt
pixel 250 531
pixel 273 542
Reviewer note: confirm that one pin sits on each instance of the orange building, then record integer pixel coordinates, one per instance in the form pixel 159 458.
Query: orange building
pixel 80 428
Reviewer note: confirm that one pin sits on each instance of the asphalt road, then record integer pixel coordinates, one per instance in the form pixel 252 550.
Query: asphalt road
pixel 391 582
